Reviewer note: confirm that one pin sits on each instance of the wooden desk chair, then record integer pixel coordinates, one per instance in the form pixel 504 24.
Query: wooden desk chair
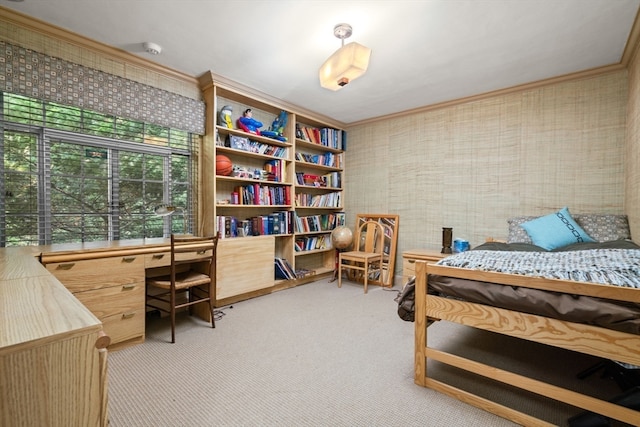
pixel 192 273
pixel 366 258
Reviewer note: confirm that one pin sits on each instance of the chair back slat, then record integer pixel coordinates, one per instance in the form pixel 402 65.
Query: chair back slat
pixel 190 249
pixel 370 237
pixel 192 275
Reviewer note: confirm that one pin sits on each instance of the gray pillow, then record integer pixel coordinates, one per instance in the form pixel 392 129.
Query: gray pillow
pixel 601 227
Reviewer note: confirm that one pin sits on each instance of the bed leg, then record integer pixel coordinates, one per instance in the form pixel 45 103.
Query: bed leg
pixel 420 314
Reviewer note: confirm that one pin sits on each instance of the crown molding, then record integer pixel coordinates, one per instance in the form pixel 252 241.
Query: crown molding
pixel 109 52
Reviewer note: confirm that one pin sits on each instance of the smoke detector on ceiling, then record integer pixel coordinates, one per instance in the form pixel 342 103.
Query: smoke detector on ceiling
pixel 152 48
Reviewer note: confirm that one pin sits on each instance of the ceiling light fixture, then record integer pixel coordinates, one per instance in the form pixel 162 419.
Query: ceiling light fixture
pixel 152 48
pixel 346 64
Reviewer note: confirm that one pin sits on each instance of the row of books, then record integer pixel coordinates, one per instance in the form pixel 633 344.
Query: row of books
pixel 284 270
pixel 244 144
pixel 328 137
pixel 274 170
pixel 331 179
pixel 323 222
pixel 310 243
pixel 273 223
pixel 326 159
pixel 329 200
pixel 256 194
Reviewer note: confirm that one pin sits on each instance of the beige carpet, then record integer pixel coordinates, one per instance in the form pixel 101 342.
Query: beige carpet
pixel 317 355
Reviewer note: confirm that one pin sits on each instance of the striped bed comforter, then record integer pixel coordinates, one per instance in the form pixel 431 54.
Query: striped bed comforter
pixel 619 267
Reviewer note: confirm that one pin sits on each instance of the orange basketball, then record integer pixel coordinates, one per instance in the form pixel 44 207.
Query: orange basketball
pixel 223 165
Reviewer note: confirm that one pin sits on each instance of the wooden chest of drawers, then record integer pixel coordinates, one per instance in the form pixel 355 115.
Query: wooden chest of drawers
pixel 410 257
pixel 112 288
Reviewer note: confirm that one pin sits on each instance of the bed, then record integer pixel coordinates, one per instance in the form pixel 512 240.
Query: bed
pixel 578 309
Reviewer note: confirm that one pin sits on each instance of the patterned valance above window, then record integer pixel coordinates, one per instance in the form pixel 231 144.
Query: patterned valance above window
pixel 29 73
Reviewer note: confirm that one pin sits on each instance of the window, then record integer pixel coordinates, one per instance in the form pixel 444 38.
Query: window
pixel 70 175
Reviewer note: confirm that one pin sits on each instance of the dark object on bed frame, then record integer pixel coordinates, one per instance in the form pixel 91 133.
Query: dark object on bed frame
pixel 629 399
pixel 624 377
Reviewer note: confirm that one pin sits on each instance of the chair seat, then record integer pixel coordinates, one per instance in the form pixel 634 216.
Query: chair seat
pixel 186 279
pixel 367 255
pixel 355 255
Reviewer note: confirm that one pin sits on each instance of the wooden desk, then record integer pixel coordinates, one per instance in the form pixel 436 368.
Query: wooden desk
pixel 53 357
pixel 108 277
pixel 52 352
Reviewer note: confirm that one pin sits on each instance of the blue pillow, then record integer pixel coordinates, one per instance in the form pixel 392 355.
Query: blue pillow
pixel 555 230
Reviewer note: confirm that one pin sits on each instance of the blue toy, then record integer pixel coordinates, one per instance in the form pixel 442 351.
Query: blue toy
pixel 276 130
pixel 248 123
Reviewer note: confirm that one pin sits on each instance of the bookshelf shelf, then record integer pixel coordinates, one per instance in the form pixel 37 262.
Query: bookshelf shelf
pixel 228 205
pixel 319 189
pixel 250 180
pixel 315 157
pixel 313 251
pixel 302 144
pixel 304 165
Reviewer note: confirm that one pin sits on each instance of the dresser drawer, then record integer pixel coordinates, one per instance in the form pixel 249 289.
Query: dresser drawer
pixel 409 259
pixel 408 267
pixel 125 326
pixel 78 276
pixel 114 300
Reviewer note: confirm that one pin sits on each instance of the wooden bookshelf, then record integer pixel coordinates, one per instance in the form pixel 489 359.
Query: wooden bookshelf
pixel 277 179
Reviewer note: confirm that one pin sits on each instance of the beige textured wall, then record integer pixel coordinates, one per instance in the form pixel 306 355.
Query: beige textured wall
pixel 632 151
pixel 473 165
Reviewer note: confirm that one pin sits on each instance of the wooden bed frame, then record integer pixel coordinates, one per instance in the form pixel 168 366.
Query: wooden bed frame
pixel 593 340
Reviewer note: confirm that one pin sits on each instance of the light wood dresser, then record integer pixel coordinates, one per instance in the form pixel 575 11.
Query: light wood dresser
pixel 410 257
pixel 53 357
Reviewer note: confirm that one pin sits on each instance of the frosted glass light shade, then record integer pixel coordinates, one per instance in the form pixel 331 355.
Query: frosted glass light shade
pixel 346 64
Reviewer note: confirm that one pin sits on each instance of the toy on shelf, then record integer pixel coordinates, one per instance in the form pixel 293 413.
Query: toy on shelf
pixel 223 165
pixel 276 130
pixel 248 123
pixel 225 116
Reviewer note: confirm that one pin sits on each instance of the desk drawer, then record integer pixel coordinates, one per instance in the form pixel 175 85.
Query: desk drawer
pixel 113 300
pixel 125 326
pixel 78 276
pixel 163 259
pixel 121 309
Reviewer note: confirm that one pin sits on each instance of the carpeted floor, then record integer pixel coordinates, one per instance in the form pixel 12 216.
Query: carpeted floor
pixel 317 355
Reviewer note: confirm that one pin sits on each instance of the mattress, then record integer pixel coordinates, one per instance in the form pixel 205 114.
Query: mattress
pixel 583 261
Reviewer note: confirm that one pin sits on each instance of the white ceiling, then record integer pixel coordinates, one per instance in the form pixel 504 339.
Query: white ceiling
pixel 423 51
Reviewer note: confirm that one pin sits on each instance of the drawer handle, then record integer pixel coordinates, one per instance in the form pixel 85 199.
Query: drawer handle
pixel 201 252
pixel 128 287
pixel 412 261
pixel 128 315
pixel 128 259
pixel 158 256
pixel 66 266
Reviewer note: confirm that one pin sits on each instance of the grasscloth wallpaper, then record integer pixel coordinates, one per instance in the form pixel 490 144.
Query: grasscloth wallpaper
pixel 632 150
pixel 472 166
